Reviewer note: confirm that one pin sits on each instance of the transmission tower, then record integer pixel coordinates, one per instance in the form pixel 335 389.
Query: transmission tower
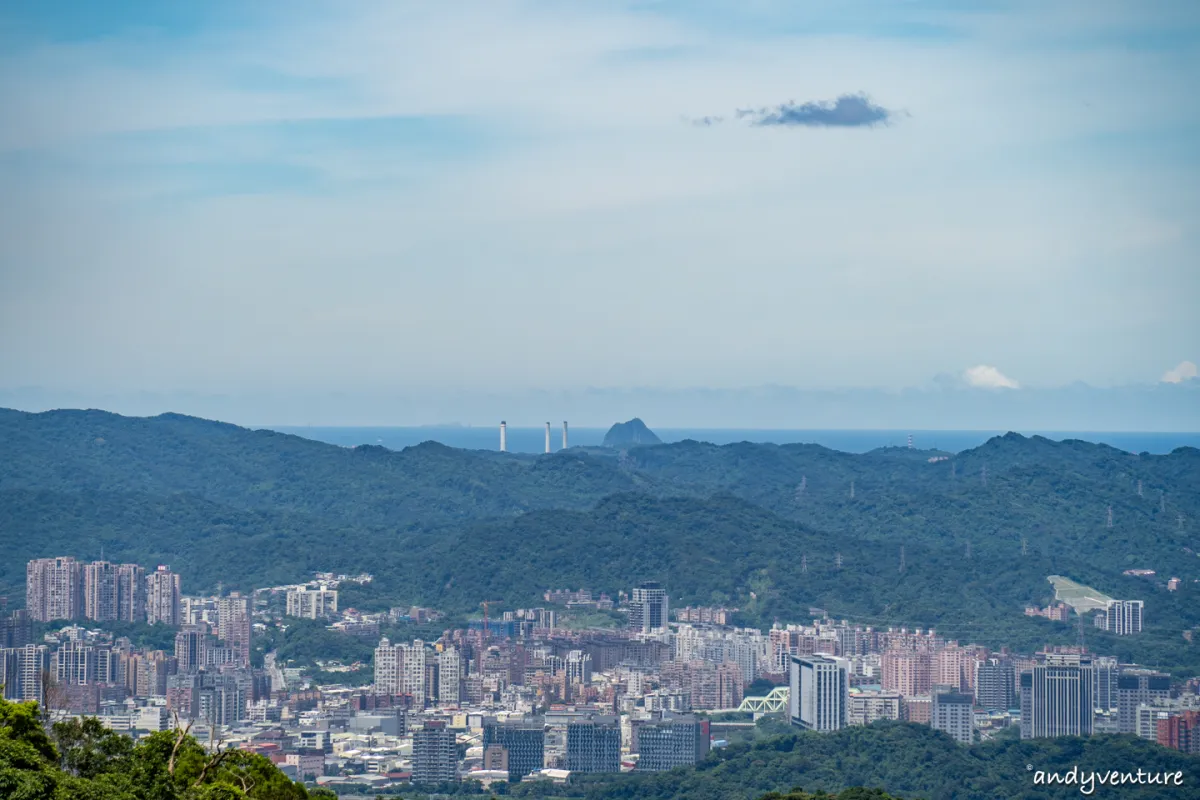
pixel 837 560
pixel 804 565
pixel 1179 520
pixel 1082 647
pixel 851 490
pixel 1024 546
pixel 1140 489
pixel 968 551
pixel 1110 516
pixel 983 472
pixel 1162 501
pixel 902 558
pixel 953 470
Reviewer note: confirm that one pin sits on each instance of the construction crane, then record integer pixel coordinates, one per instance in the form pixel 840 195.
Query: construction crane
pixel 487 632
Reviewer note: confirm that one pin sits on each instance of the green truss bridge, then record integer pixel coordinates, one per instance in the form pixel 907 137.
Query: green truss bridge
pixel 774 703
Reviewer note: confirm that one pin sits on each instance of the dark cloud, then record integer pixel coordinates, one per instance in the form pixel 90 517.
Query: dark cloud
pixel 847 111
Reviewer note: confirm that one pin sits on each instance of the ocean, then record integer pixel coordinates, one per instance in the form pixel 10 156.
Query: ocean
pixel 532 440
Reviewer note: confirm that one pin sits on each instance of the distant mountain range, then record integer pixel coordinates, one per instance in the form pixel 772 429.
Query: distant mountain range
pixel 944 405
pixel 924 538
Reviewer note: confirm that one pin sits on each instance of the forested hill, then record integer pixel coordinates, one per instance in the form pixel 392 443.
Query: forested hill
pixel 912 761
pixel 429 484
pixel 756 526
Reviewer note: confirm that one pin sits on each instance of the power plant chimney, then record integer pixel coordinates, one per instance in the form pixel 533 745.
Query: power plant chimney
pixel 547 437
pixel 564 434
pixel 503 436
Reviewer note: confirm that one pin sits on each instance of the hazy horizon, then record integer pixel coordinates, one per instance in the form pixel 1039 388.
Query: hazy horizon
pixel 1173 408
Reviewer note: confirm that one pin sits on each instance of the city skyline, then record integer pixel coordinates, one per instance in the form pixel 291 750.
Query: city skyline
pixel 414 697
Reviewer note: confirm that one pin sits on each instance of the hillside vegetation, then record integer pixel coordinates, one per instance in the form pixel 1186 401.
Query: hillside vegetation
pixel 83 760
pixel 759 527
pixel 912 761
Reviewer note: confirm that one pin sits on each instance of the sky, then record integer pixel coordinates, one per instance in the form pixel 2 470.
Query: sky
pixel 305 198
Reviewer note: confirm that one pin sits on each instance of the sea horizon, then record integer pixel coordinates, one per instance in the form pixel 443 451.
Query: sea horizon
pixel 532 439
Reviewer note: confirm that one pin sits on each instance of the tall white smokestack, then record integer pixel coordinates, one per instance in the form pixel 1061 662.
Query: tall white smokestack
pixel 547 437
pixel 564 434
pixel 503 436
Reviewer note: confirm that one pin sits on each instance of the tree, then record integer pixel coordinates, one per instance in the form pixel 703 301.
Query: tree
pixel 83 760
pixel 87 749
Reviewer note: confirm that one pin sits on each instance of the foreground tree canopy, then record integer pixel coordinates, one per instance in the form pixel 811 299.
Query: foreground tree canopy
pixel 83 760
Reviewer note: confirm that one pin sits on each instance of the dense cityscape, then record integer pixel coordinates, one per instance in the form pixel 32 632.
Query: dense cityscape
pixel 514 695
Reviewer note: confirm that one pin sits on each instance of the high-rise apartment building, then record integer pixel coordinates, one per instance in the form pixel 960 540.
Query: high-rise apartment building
pixel 9 673
pixel 131 593
pixel 234 625
pixel 594 745
pixel 747 648
pixel 312 603
pixel 216 698
pixel 953 666
pixel 524 743
pixel 200 610
pixel 400 669
pixel 1122 617
pixel 578 667
pixel 1105 671
pixel 162 597
pixel 995 684
pixel 1180 731
pixel 191 648
pixel 954 714
pixel 100 591
pixel 54 589
pixel 412 672
pixel 16 630
pixel 867 707
pixel 1136 687
pixel 1056 697
pixel 77 664
pixel 648 608
pixel 668 741
pixel 819 693
pixel 108 593
pixel 450 677
pixel 22 670
pixel 387 667
pixel 149 673
pixel 435 755
pixel 909 672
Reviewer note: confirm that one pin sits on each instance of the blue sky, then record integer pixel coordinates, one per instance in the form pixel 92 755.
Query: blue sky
pixel 439 197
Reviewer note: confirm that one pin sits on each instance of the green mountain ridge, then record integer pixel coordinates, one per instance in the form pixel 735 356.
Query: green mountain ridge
pixel 428 484
pixel 734 524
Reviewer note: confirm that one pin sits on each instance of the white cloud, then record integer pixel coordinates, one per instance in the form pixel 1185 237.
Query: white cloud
pixel 1185 371
pixel 985 377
